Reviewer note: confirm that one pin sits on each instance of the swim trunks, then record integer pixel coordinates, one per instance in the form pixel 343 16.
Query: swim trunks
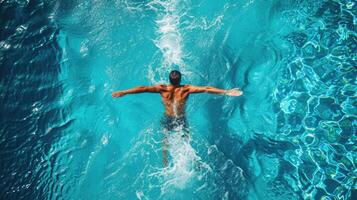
pixel 177 124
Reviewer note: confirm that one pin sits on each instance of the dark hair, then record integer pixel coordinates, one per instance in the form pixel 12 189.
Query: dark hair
pixel 175 77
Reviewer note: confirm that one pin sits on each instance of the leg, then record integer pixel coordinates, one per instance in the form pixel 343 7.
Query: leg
pixel 165 147
pixel 185 130
pixel 165 123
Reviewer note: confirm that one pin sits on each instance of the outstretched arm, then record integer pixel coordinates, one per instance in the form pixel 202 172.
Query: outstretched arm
pixel 213 90
pixel 140 89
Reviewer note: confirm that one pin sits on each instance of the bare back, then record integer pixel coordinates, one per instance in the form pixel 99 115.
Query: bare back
pixel 174 99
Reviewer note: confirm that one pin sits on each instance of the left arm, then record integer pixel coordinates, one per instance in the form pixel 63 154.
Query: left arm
pixel 213 90
pixel 140 89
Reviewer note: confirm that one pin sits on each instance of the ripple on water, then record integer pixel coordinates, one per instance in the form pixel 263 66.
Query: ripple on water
pixel 314 84
pixel 322 65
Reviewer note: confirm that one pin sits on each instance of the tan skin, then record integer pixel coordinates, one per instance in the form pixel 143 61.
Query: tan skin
pixel 174 99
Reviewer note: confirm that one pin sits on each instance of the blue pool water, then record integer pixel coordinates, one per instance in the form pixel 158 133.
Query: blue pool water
pixel 292 135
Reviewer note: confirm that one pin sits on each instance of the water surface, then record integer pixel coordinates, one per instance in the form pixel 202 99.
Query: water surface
pixel 292 135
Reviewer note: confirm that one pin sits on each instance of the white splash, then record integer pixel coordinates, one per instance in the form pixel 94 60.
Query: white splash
pixel 182 165
pixel 169 39
pixel 185 166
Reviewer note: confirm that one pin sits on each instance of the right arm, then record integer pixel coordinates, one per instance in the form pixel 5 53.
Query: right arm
pixel 140 89
pixel 213 90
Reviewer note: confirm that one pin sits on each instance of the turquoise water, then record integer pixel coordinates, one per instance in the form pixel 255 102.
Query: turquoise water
pixel 292 135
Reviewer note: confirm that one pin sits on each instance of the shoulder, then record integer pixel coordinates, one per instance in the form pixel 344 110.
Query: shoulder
pixel 186 87
pixel 161 87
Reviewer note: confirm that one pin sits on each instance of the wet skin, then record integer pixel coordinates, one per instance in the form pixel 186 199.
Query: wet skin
pixel 174 99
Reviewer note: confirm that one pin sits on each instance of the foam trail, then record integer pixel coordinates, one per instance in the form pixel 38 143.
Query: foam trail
pixel 169 39
pixel 184 159
pixel 186 166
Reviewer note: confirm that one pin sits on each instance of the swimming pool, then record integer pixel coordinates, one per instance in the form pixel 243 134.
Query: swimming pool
pixel 292 135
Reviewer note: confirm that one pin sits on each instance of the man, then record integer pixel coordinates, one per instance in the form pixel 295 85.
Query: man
pixel 174 98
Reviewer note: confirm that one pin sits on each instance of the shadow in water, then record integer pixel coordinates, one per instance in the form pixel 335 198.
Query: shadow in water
pixel 29 120
pixel 238 152
pixel 229 143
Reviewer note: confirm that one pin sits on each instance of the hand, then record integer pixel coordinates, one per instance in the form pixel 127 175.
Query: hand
pixel 118 94
pixel 234 92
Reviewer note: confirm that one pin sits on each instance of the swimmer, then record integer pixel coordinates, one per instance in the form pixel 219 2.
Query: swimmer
pixel 174 98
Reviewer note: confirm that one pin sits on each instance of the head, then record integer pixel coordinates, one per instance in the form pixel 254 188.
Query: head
pixel 175 77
